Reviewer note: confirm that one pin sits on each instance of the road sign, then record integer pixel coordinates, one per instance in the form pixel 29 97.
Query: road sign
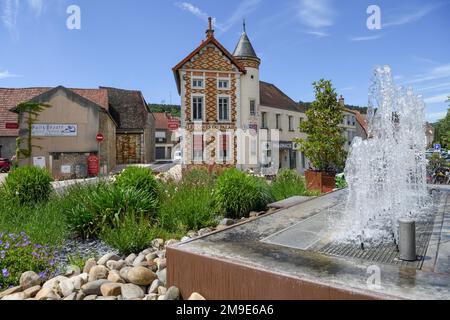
pixel 100 137
pixel 437 146
pixel 173 124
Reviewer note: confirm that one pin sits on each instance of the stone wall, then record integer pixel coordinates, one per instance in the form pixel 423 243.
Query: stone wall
pixel 8 147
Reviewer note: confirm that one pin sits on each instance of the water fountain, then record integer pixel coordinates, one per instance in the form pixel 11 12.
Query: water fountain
pixel 386 173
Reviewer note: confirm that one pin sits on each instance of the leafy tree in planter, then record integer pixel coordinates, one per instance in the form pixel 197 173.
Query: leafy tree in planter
pixel 324 144
pixel 32 110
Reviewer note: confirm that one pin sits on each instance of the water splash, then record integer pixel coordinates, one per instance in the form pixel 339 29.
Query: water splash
pixel 386 173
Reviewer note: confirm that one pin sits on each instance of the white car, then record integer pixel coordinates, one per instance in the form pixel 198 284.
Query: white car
pixel 177 156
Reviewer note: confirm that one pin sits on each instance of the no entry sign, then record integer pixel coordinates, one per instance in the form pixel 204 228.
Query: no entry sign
pixel 100 137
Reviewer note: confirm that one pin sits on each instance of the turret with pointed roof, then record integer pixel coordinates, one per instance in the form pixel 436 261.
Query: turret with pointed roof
pixel 245 52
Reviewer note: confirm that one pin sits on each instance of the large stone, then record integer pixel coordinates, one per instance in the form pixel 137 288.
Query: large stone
pixel 150 257
pixel 72 271
pixel 80 296
pixel 132 291
pixel 196 296
pixel 47 293
pixel 124 273
pixel 29 279
pixel 162 290
pixel 115 265
pixel 71 297
pixel 171 242
pixel 54 283
pixel 139 259
pixel 66 287
pixel 141 276
pixel 114 276
pixel 162 276
pixel 161 263
pixel 111 289
pixel 173 293
pixel 16 296
pixel 93 288
pixel 97 273
pixel 89 264
pixel 90 297
pixel 106 298
pixel 80 280
pixel 151 296
pixel 129 260
pixel 107 257
pixel 158 243
pixel 154 286
pixel 227 222
pixel 32 292
pixel 10 291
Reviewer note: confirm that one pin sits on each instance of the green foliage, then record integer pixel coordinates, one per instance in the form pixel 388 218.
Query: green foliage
pixel 237 194
pixel 18 254
pixel 340 181
pixel 32 111
pixel 76 260
pixel 187 204
pixel 91 208
pixel 325 142
pixel 436 161
pixel 443 131
pixel 174 110
pixel 133 233
pixel 288 183
pixel 28 185
pixel 140 179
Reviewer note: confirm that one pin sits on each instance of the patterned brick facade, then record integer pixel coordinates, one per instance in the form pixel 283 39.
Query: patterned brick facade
pixel 210 64
pixel 247 63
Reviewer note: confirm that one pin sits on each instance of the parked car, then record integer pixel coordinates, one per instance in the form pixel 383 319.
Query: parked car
pixel 177 156
pixel 5 165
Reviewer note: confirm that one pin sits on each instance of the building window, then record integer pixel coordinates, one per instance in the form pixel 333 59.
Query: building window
pixel 252 108
pixel 224 147
pixel 224 109
pixel 291 123
pixel 197 108
pixel 197 147
pixel 198 83
pixel 353 120
pixel 264 120
pixel 278 121
pixel 223 84
pixel 349 122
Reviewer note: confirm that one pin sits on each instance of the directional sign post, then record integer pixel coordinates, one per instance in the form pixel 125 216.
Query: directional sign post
pixel 100 138
pixel 437 147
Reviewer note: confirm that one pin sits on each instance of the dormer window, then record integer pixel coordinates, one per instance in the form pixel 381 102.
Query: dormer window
pixel 198 83
pixel 223 84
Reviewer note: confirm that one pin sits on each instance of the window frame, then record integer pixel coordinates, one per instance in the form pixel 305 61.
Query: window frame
pixel 220 149
pixel 197 78
pixel 227 97
pixel 264 120
pixel 194 159
pixel 252 114
pixel 219 80
pixel 291 123
pixel 202 96
pixel 278 121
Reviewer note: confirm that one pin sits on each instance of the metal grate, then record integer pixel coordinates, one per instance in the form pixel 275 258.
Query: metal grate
pixel 384 253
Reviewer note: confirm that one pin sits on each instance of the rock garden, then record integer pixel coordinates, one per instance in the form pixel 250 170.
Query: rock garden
pixel 106 241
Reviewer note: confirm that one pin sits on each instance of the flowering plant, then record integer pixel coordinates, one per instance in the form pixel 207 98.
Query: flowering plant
pixel 18 254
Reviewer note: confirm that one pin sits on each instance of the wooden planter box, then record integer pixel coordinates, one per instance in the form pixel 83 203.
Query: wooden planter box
pixel 320 181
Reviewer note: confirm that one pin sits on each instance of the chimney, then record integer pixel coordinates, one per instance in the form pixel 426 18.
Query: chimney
pixel 210 31
pixel 342 101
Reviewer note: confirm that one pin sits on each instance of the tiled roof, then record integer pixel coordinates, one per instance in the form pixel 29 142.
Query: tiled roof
pixel 161 120
pixel 11 97
pixel 128 108
pixel 271 96
pixel 244 48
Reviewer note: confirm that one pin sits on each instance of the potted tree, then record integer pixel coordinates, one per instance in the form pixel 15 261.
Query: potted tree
pixel 324 145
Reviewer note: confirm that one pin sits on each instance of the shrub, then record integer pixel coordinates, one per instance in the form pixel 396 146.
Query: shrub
pixel 288 183
pixel 340 181
pixel 140 179
pixel 18 254
pixel 91 208
pixel 187 205
pixel 237 194
pixel 28 185
pixel 133 233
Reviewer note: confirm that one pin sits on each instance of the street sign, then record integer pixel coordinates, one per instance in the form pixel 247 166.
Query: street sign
pixel 100 137
pixel 173 124
pixel 437 146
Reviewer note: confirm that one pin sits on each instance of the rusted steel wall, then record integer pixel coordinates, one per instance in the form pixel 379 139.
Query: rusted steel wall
pixel 223 280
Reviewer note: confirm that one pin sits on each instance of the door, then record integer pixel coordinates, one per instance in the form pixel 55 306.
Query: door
pixel 128 148
pixel 160 153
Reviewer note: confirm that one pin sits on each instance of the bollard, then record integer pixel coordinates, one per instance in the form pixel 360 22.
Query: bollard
pixel 407 239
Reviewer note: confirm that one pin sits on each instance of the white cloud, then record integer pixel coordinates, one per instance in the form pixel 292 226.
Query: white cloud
pixel 366 38
pixel 415 15
pixel 6 74
pixel 440 86
pixel 433 117
pixel 10 9
pixel 37 6
pixel 441 98
pixel 316 13
pixel 318 34
pixel 244 8
pixel 435 73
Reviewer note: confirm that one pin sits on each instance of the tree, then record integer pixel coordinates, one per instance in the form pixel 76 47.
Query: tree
pixel 324 146
pixel 32 110
pixel 443 130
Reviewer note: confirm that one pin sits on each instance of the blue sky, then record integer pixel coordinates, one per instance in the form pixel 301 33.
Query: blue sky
pixel 135 43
